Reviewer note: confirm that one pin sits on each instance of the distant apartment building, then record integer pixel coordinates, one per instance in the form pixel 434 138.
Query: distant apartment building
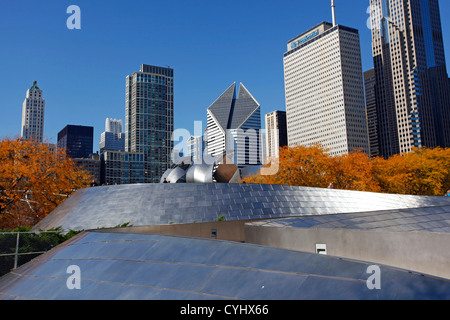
pixel 234 127
pixel 324 90
pixel 33 110
pixel 276 133
pixel 113 138
pixel 149 118
pixel 120 167
pixel 149 124
pixel 92 165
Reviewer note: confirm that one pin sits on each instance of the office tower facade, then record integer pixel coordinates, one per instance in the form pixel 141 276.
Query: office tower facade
pixel 149 118
pixel 91 165
pixel 195 149
pixel 113 125
pixel 324 90
pixel 113 138
pixel 120 167
pixel 276 133
pixel 78 141
pixel 371 111
pixel 412 91
pixel 33 110
pixel 234 127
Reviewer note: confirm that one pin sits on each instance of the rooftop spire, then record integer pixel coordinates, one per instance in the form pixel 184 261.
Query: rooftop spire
pixel 333 12
pixel 35 86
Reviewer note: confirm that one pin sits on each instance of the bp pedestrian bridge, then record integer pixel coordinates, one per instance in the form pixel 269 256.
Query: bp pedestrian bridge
pixel 242 241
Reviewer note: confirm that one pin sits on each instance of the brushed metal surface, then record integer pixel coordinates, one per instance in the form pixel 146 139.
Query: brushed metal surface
pixel 117 266
pixel 200 173
pixel 160 204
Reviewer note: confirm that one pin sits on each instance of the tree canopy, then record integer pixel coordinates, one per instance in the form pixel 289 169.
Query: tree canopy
pixel 34 180
pixel 420 172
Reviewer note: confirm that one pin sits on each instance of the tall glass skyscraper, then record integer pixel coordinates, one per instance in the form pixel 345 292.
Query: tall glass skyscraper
pixel 412 93
pixel 149 118
pixel 149 124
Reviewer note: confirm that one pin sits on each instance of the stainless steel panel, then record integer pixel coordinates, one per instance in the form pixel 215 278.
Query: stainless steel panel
pixel 151 204
pixel 202 173
pixel 131 266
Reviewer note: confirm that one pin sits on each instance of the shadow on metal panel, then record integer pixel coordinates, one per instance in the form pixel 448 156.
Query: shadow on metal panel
pixel 118 266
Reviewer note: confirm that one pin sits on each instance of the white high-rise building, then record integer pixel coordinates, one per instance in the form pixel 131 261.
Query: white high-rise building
pixel 276 135
pixel 234 127
pixel 33 115
pixel 195 149
pixel 113 125
pixel 324 90
pixel 113 138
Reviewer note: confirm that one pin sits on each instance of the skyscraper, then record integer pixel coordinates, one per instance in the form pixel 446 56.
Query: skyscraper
pixel 121 167
pixel 113 125
pixel 234 127
pixel 33 115
pixel 195 149
pixel 371 110
pixel 412 91
pixel 149 125
pixel 78 141
pixel 276 133
pixel 113 138
pixel 149 118
pixel 324 89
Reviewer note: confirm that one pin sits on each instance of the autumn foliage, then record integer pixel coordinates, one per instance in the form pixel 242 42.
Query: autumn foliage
pixel 420 172
pixel 34 180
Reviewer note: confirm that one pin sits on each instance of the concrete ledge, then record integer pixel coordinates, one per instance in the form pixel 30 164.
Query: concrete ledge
pixel 224 230
pixel 423 252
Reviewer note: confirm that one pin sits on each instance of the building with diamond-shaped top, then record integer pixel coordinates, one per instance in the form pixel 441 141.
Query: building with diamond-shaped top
pixel 234 127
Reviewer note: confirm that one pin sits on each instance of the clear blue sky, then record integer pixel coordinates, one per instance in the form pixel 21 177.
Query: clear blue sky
pixel 210 44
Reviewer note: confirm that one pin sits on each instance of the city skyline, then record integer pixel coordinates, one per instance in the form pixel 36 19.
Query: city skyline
pixel 211 55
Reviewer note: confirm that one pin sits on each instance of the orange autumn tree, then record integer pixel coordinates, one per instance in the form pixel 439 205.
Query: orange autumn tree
pixel 420 172
pixel 299 166
pixel 34 180
pixel 354 171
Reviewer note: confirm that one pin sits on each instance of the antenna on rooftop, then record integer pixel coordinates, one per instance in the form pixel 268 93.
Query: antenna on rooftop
pixel 333 12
